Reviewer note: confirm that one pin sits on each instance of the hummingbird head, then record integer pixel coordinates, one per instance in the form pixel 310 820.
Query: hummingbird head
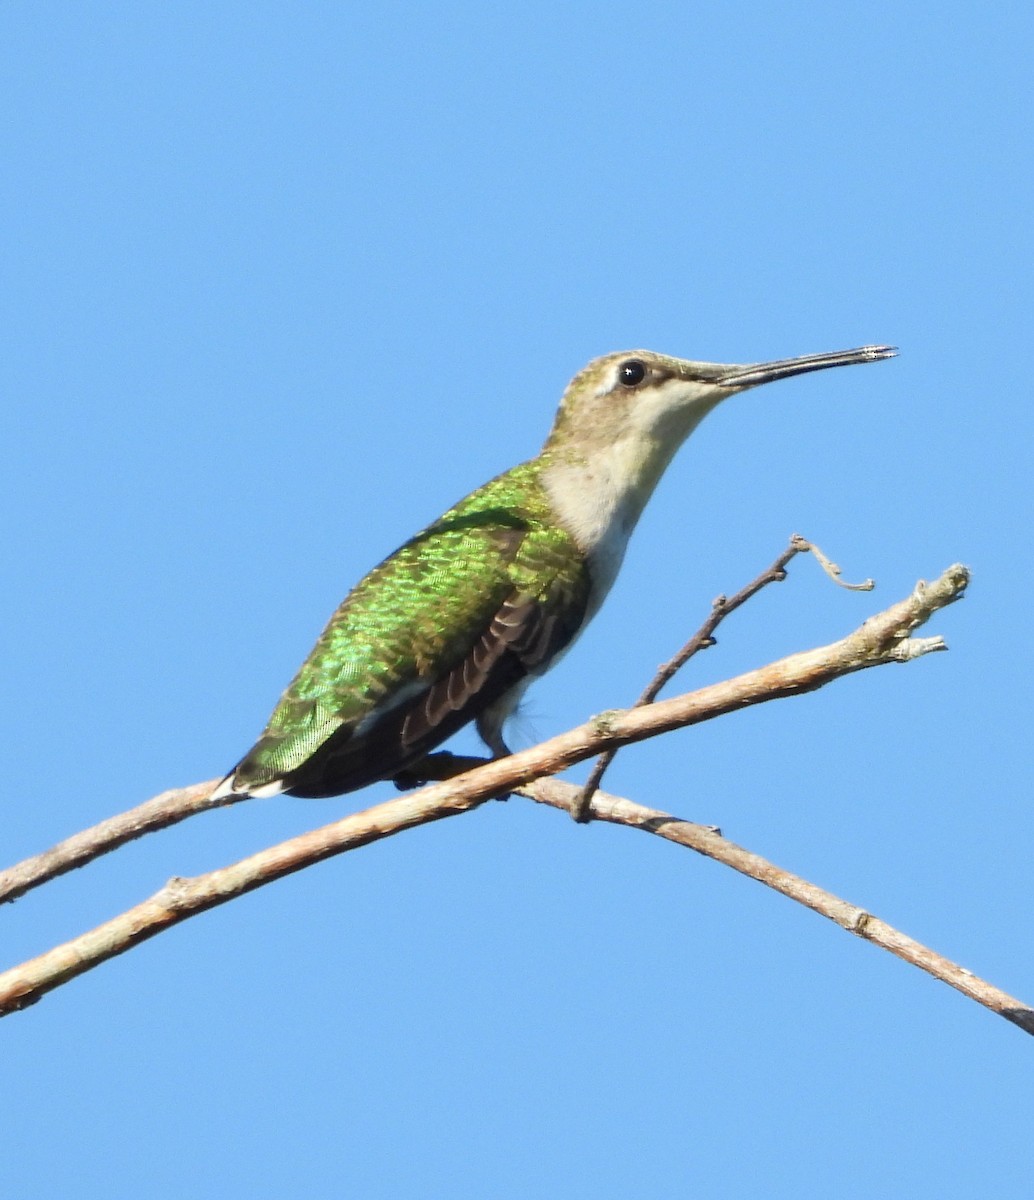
pixel 639 397
pixel 623 417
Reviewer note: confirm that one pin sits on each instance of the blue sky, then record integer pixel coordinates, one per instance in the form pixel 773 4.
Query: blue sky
pixel 281 283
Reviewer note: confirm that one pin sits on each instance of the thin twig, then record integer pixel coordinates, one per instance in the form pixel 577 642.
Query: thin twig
pixel 848 916
pixel 178 804
pixel 883 638
pixel 832 570
pixel 703 639
pixel 164 810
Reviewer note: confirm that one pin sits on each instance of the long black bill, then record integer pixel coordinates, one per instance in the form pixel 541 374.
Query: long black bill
pixel 748 376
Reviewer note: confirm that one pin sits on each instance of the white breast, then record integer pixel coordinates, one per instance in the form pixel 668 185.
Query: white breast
pixel 594 503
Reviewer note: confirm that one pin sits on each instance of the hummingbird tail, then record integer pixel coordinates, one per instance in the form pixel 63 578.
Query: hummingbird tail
pixel 227 787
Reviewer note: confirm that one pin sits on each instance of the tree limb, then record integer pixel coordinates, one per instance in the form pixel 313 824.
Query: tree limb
pixel 703 639
pixel 163 810
pixel 170 807
pixel 848 916
pixel 881 639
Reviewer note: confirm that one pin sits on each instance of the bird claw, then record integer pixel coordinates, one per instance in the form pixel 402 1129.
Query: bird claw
pixel 432 768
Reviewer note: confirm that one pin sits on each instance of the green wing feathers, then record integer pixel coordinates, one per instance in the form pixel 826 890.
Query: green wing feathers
pixel 457 616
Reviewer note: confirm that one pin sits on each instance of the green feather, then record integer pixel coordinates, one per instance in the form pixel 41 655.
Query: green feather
pixel 413 620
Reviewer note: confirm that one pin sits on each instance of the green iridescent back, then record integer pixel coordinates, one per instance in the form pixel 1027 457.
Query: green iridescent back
pixel 411 622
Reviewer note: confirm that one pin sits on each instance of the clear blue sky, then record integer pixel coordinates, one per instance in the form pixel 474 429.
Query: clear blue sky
pixel 280 283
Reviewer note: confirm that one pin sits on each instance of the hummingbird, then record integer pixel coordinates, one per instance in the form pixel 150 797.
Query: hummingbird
pixel 456 623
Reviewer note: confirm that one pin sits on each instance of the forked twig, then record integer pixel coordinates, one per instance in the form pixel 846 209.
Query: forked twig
pixel 178 804
pixel 721 607
pixel 883 638
pixel 848 916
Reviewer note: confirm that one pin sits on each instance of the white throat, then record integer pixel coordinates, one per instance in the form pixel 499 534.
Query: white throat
pixel 602 464
pixel 599 499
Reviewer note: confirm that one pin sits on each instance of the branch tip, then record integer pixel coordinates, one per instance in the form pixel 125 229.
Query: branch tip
pixel 801 545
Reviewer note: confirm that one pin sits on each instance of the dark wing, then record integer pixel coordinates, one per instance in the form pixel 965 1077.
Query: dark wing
pixel 523 638
pixel 520 640
pixel 428 641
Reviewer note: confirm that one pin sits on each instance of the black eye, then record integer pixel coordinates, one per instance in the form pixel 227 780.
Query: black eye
pixel 631 373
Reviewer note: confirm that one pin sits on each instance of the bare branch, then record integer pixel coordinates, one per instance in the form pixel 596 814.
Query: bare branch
pixel 178 804
pixel 168 808
pixel 831 568
pixel 704 638
pixel 883 638
pixel 848 916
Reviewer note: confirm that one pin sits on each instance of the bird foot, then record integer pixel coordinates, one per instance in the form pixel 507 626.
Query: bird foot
pixel 433 768
pixel 437 767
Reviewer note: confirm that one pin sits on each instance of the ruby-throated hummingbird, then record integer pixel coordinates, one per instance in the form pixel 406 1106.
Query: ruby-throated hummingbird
pixel 456 623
